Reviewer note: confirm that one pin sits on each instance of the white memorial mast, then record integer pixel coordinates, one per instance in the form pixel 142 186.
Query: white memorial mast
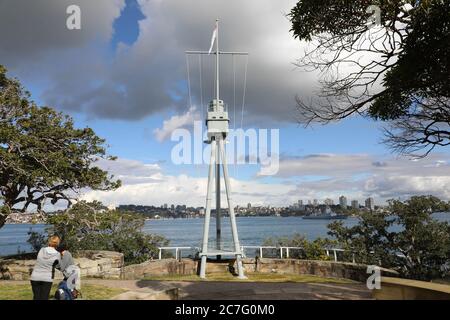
pixel 217 122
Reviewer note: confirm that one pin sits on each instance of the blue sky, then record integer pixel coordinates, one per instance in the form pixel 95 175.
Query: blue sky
pixel 124 75
pixel 134 140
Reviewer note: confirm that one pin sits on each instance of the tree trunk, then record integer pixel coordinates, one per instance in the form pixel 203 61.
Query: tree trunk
pixel 2 220
pixel 5 211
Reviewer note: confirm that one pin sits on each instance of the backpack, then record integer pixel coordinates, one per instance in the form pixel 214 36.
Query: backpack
pixel 64 293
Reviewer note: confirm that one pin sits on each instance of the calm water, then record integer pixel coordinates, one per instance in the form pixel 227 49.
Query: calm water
pixel 188 232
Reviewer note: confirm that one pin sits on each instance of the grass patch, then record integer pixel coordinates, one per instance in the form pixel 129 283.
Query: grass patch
pixel 12 291
pixel 252 277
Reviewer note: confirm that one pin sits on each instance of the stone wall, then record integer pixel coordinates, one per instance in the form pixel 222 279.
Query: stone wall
pixel 95 264
pixel 160 268
pixel 110 265
pixel 328 269
pixel 406 289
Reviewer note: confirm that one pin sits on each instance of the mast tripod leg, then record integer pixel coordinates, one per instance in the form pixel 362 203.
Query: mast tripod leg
pixel 237 247
pixel 218 217
pixel 208 211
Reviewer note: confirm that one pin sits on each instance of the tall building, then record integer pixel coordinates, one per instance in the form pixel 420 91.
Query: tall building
pixel 300 203
pixel 315 202
pixel 309 202
pixel 370 204
pixel 355 204
pixel 343 202
pixel 249 205
pixel 329 202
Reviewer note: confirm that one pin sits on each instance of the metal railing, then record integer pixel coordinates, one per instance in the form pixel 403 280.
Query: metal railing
pixel 178 251
pixel 284 251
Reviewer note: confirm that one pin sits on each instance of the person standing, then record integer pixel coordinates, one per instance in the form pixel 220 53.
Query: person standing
pixel 44 269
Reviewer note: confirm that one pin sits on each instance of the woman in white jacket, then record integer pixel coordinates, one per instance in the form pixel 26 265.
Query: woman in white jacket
pixel 44 270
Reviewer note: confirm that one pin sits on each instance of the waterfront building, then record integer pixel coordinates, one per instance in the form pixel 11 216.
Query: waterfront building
pixel 370 204
pixel 343 202
pixel 355 204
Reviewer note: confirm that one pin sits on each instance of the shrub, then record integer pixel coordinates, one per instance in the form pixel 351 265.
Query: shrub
pixel 91 226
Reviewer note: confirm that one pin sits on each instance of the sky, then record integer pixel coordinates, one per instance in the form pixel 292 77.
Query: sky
pixel 125 74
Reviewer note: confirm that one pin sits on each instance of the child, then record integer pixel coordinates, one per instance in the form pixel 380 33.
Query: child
pixel 70 271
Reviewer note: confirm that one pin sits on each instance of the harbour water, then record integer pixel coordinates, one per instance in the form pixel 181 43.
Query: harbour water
pixel 188 232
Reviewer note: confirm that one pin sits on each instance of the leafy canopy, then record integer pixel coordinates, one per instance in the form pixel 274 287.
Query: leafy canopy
pixel 396 72
pixel 43 157
pixel 405 238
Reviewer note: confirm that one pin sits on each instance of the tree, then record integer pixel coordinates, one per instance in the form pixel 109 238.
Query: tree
pixel 43 157
pixel 407 239
pixel 396 72
pixel 91 226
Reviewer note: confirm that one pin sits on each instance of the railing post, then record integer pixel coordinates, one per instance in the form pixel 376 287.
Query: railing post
pixel 353 258
pixel 260 252
pixel 335 255
pixel 176 253
pixel 281 252
pixel 159 253
pixel 287 252
pixel 328 253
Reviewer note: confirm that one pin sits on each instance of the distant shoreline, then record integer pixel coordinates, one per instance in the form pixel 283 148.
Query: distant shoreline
pixel 195 218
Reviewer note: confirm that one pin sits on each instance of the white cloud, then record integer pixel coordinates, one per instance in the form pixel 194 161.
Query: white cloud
pixel 355 176
pixel 76 71
pixel 176 122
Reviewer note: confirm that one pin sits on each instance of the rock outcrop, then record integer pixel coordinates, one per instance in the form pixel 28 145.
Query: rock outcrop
pixel 95 264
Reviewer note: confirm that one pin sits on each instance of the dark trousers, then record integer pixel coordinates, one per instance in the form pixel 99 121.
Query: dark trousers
pixel 41 290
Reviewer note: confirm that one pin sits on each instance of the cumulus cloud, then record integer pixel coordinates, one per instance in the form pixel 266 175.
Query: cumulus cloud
pixel 31 29
pixel 147 184
pixel 77 72
pixel 367 175
pixel 176 122
pixel 355 176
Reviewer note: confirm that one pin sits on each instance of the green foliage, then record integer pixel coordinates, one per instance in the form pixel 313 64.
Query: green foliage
pixel 311 250
pixel 407 239
pixel 423 67
pixel 43 157
pixel 310 18
pixel 406 82
pixel 91 226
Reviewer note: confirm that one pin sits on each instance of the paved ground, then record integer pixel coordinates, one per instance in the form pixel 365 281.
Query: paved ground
pixel 242 290
pixel 247 290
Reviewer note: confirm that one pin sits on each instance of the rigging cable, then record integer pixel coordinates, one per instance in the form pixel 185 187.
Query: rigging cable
pixel 189 82
pixel 234 111
pixel 243 102
pixel 245 91
pixel 200 65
